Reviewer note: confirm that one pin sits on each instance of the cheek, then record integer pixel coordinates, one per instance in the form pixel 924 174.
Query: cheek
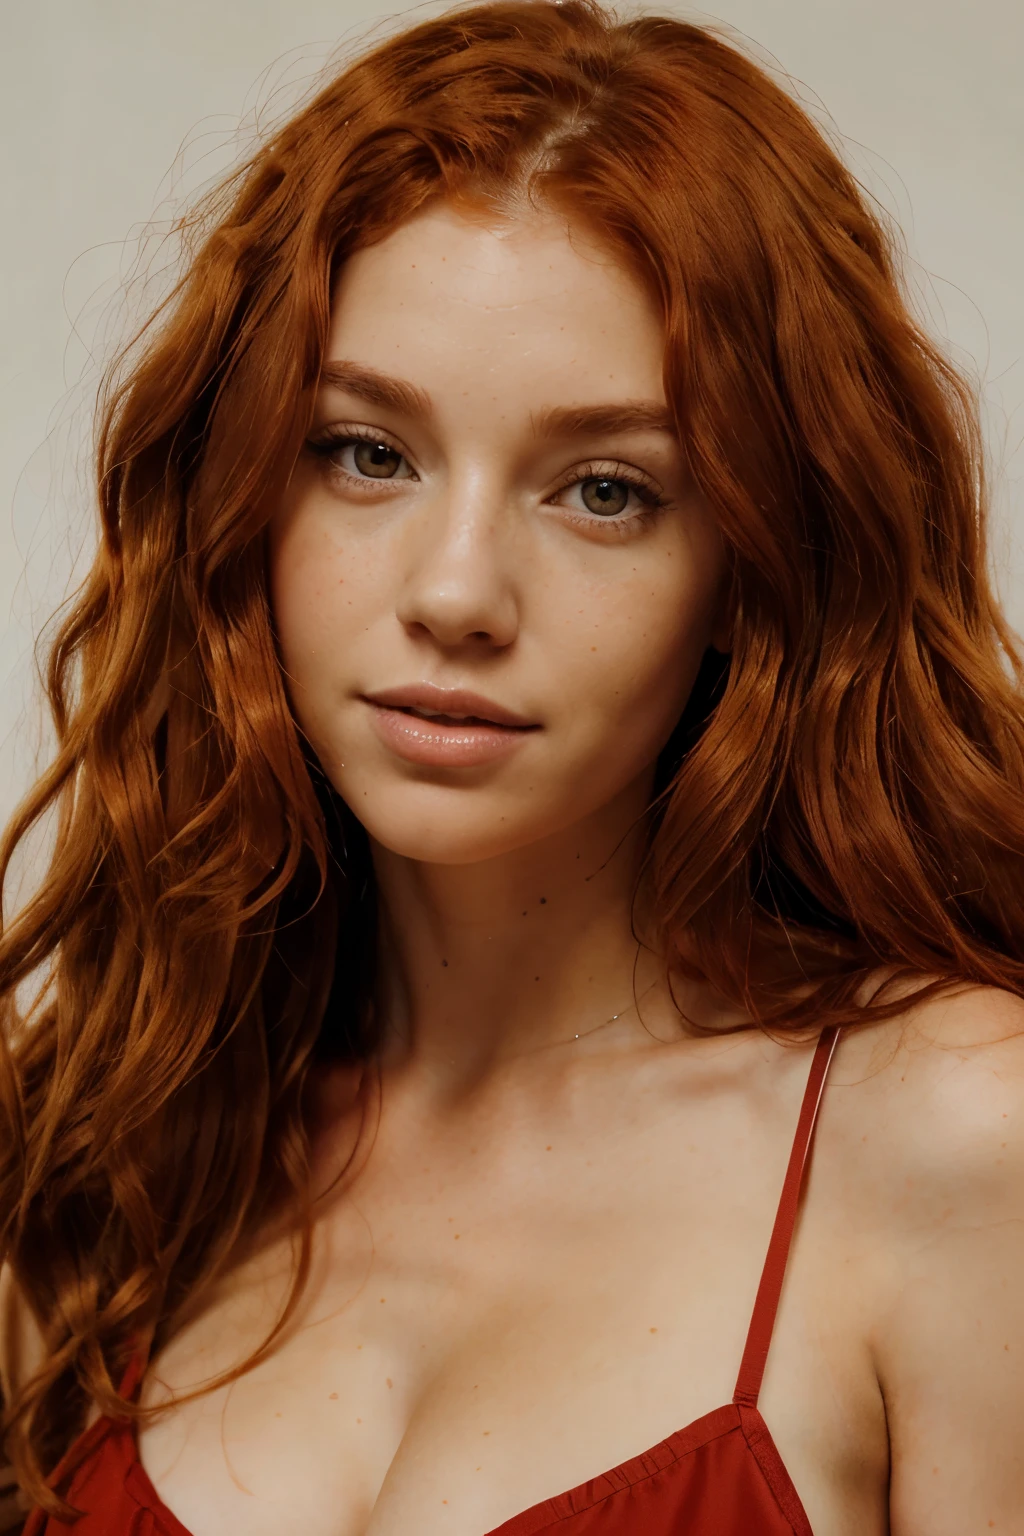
pixel 635 651
pixel 321 598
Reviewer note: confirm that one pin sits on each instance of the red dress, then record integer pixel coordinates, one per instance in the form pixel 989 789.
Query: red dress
pixel 720 1476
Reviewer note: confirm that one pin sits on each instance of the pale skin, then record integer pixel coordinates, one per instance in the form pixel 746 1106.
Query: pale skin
pixel 544 1260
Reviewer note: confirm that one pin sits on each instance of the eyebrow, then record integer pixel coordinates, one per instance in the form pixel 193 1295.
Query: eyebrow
pixel 376 388
pixel 551 421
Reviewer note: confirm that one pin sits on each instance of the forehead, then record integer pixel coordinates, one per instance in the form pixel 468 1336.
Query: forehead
pixel 520 313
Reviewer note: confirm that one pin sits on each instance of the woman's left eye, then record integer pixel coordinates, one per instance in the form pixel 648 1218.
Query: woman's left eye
pixel 606 498
pixel 609 496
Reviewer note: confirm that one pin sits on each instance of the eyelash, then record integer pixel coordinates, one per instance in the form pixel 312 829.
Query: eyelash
pixel 330 441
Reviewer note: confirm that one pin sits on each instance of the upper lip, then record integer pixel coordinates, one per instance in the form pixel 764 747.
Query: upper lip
pixel 447 701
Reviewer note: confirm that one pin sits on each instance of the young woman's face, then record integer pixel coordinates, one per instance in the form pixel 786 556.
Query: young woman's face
pixel 492 579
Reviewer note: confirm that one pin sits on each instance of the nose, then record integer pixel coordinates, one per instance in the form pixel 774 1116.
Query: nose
pixel 459 586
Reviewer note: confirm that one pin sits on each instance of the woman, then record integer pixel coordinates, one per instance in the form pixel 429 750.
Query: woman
pixel 538 713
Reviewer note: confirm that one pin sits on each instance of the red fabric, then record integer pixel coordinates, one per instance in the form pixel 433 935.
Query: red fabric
pixel 721 1476
pixel 759 1336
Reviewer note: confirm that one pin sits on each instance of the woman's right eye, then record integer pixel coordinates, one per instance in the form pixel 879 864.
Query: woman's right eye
pixel 363 458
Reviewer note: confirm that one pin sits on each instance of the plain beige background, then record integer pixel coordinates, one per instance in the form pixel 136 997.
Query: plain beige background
pixel 112 110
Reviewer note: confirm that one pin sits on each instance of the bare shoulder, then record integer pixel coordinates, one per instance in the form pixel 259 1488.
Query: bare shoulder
pixel 928 1154
pixel 933 1101
pixel 961 1052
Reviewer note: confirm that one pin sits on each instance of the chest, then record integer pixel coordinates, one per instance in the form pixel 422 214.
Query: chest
pixel 492 1319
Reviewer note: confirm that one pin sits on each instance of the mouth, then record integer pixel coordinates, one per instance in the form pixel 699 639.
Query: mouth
pixel 446 727
pixel 450 706
pixel 439 717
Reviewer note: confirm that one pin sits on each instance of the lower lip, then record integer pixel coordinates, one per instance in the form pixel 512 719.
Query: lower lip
pixel 436 745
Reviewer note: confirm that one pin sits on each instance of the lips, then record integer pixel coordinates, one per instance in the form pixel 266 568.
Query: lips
pixel 446 727
pixel 454 706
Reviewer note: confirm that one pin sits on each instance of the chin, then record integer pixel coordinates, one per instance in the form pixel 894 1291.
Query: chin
pixel 451 826
pixel 441 844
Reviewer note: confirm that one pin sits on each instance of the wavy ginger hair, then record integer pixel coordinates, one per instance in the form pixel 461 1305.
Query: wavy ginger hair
pixel 843 794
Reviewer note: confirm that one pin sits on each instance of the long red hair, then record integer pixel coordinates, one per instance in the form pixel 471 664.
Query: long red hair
pixel 843 795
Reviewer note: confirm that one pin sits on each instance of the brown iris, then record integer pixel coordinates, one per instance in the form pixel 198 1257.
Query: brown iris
pixel 376 459
pixel 605 497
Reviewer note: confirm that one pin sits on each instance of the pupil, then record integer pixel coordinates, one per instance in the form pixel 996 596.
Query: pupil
pixel 605 497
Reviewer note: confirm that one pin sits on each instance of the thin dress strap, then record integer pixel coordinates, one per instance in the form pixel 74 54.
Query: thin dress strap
pixel 133 1374
pixel 762 1322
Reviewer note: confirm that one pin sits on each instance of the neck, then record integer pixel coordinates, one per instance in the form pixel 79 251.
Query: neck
pixel 481 962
